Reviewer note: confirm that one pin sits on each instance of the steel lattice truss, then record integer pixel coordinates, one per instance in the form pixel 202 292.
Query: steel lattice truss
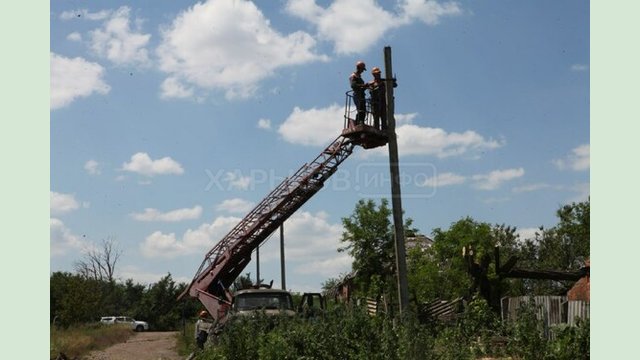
pixel 230 256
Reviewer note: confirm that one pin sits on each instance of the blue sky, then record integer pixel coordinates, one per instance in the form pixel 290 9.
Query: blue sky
pixel 170 120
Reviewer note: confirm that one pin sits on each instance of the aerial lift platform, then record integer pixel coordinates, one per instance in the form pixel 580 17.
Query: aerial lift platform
pixel 228 258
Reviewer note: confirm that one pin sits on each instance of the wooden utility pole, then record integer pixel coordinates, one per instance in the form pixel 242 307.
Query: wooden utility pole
pixel 396 203
pixel 282 272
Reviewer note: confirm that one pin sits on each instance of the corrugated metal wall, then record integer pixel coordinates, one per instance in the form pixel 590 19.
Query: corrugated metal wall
pixel 551 310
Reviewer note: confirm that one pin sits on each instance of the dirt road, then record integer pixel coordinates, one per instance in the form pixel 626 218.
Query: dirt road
pixel 141 346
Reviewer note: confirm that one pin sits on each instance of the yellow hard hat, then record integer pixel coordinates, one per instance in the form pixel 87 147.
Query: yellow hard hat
pixel 376 70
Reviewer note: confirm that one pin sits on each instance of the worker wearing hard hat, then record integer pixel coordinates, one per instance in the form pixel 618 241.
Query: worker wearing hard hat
pixel 358 86
pixel 202 328
pixel 378 99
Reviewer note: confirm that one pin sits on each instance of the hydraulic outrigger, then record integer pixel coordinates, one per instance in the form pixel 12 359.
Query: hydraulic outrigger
pixel 228 258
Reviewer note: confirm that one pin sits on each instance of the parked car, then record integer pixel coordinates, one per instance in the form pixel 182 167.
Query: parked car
pixel 136 325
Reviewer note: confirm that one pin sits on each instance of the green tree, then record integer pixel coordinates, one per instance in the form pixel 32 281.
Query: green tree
pixel 441 272
pixel 368 236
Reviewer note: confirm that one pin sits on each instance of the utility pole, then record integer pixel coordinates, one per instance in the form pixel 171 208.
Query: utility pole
pixel 258 265
pixel 282 277
pixel 396 203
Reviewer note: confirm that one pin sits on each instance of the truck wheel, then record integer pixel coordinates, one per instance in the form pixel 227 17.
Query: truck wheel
pixel 139 328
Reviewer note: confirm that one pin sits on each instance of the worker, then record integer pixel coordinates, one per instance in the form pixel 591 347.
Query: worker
pixel 379 99
pixel 202 328
pixel 358 86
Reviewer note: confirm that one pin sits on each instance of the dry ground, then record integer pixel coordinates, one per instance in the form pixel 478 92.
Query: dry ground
pixel 141 346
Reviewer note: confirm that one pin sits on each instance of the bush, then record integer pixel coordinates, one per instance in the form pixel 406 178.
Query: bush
pixel 343 333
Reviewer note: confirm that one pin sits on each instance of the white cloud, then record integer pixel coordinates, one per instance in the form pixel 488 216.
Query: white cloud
pixel 85 15
pixel 527 233
pixel 145 277
pixel 310 240
pixel 313 127
pixel 579 67
pixel 578 160
pixel 160 245
pixel 74 78
pixel 494 179
pixel 116 41
pixel 151 214
pixel 355 25
pixel 62 203
pixel 416 140
pixel 92 167
pixel 142 164
pixel 352 25
pixel 318 126
pixel 444 179
pixel 235 206
pixel 428 11
pixel 237 181
pixel 62 240
pixel 405 118
pixel 74 36
pixel 173 88
pixel 264 124
pixel 531 187
pixel 229 46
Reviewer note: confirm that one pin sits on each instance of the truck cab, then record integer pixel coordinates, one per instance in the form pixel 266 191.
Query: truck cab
pixel 271 301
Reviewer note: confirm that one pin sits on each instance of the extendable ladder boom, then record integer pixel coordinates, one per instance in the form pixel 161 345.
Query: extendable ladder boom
pixel 230 256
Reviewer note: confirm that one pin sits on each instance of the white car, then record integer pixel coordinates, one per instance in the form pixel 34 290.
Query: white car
pixel 135 324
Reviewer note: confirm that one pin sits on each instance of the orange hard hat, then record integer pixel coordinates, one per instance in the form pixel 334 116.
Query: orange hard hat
pixel 376 70
pixel 361 65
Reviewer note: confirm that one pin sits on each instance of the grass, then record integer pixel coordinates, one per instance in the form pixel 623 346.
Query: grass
pixel 186 342
pixel 77 341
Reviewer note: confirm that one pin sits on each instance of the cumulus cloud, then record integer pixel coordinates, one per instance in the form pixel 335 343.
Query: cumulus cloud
pixel 173 88
pixel 527 233
pixel 578 160
pixel 60 203
pixel 237 181
pixel 314 126
pixel 161 245
pixel 264 124
pixel 348 23
pixel 151 214
pixel 229 46
pixel 92 167
pixel 85 14
pixel 496 178
pixel 74 78
pixel 118 43
pixel 142 164
pixel 140 276
pixel 310 239
pixel 74 36
pixel 234 206
pixel 318 126
pixel 62 239
pixel 444 179
pixel 428 11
